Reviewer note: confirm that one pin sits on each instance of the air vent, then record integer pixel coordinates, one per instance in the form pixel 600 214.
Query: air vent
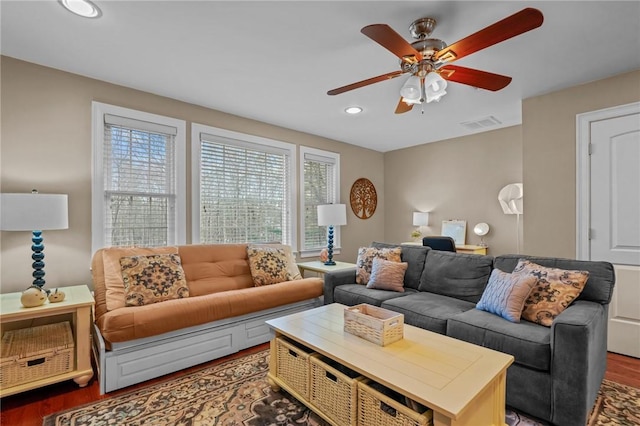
pixel 482 123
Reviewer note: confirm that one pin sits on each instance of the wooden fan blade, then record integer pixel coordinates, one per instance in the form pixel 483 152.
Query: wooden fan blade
pixel 387 76
pixel 516 24
pixel 386 37
pixel 403 107
pixel 482 79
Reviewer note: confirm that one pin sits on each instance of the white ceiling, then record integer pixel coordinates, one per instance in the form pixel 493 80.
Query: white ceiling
pixel 275 61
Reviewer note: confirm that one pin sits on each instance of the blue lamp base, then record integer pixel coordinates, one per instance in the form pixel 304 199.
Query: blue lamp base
pixel 330 261
pixel 38 259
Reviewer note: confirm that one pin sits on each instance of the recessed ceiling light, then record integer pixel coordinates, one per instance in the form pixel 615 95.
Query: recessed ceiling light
pixel 353 110
pixel 82 8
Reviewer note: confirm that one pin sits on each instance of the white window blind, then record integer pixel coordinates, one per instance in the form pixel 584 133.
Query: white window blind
pixel 137 192
pixel 320 178
pixel 244 191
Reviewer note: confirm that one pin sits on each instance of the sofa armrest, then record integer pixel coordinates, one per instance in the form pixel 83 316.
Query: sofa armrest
pixel 578 360
pixel 334 279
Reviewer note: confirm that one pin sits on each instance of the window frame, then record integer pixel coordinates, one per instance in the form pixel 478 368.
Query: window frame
pixel 335 157
pixel 98 111
pixel 243 140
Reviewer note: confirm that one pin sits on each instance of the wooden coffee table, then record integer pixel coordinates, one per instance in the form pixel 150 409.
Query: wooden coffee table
pixel 464 384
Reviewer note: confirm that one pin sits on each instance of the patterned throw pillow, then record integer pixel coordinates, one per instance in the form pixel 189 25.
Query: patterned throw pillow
pixel 364 263
pixel 505 294
pixel 553 292
pixel 152 279
pixel 268 265
pixel 292 267
pixel 387 275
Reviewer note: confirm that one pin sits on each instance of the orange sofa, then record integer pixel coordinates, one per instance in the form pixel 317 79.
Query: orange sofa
pixel 223 314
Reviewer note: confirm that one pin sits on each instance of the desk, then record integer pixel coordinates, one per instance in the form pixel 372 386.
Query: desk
pixel 321 268
pixel 462 248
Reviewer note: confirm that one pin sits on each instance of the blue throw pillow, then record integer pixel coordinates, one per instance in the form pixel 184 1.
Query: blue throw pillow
pixel 506 294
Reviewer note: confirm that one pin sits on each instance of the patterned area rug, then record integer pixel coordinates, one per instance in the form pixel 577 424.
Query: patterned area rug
pixel 236 393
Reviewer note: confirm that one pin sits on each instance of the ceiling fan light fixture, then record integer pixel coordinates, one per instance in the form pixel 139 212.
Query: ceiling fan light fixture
pixel 411 91
pixel 434 87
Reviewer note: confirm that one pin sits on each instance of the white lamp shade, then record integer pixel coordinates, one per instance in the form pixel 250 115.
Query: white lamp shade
pixel 434 87
pixel 420 218
pixel 332 214
pixel 510 198
pixel 411 90
pixel 29 212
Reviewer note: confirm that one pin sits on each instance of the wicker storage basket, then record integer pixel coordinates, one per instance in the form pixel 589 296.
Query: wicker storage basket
pixel 334 390
pixel 374 324
pixel 376 408
pixel 293 366
pixel 35 353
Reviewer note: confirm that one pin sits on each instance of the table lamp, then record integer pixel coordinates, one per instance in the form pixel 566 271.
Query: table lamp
pixel 34 212
pixel 331 215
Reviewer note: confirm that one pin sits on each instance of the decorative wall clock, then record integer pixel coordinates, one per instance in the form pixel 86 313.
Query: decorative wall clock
pixel 363 198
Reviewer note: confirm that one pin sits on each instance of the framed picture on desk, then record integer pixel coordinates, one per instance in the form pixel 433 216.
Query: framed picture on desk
pixel 456 229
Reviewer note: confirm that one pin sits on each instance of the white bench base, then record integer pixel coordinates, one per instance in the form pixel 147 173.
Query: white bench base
pixel 136 361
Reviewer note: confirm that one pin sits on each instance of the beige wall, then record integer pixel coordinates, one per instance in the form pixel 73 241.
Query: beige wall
pixel 549 159
pixel 455 179
pixel 46 144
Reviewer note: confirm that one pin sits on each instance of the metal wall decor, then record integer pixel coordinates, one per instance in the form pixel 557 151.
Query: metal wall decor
pixel 363 198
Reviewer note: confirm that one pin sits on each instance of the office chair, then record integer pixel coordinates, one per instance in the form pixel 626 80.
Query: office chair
pixel 439 243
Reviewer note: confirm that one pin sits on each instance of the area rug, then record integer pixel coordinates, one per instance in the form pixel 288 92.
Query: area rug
pixel 236 393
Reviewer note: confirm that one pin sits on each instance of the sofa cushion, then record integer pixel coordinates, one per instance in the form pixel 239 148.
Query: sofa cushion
pixel 354 294
pixel 529 343
pixel 463 276
pixel 213 268
pixel 152 279
pixel 113 283
pixel 415 256
pixel 137 322
pixel 268 265
pixel 554 291
pixel 599 286
pixel 428 310
pixel 364 263
pixel 387 275
pixel 506 293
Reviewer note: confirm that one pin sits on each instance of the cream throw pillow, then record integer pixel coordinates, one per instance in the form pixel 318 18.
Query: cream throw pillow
pixel 292 267
pixel 364 263
pixel 554 291
pixel 113 282
pixel 268 265
pixel 152 279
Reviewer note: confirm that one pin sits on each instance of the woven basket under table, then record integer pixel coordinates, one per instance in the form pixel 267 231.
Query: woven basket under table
pixel 35 353
pixel 292 366
pixel 334 390
pixel 376 408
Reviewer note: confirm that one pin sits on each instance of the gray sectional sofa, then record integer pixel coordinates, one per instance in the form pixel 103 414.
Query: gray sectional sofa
pixel 557 370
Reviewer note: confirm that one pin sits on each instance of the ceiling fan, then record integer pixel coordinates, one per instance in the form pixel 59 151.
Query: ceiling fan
pixel 428 60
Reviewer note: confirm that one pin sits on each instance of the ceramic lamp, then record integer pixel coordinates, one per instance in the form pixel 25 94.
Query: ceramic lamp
pixel 331 215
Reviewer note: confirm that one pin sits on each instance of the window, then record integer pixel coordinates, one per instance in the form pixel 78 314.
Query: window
pixel 243 188
pixel 320 177
pixel 138 178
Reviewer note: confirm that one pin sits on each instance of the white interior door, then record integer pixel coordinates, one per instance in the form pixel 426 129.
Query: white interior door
pixel 613 232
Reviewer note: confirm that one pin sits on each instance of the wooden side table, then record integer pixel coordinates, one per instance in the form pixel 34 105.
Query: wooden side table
pixel 76 307
pixel 321 268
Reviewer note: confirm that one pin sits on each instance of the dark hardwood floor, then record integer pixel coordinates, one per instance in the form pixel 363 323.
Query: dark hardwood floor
pixel 28 408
